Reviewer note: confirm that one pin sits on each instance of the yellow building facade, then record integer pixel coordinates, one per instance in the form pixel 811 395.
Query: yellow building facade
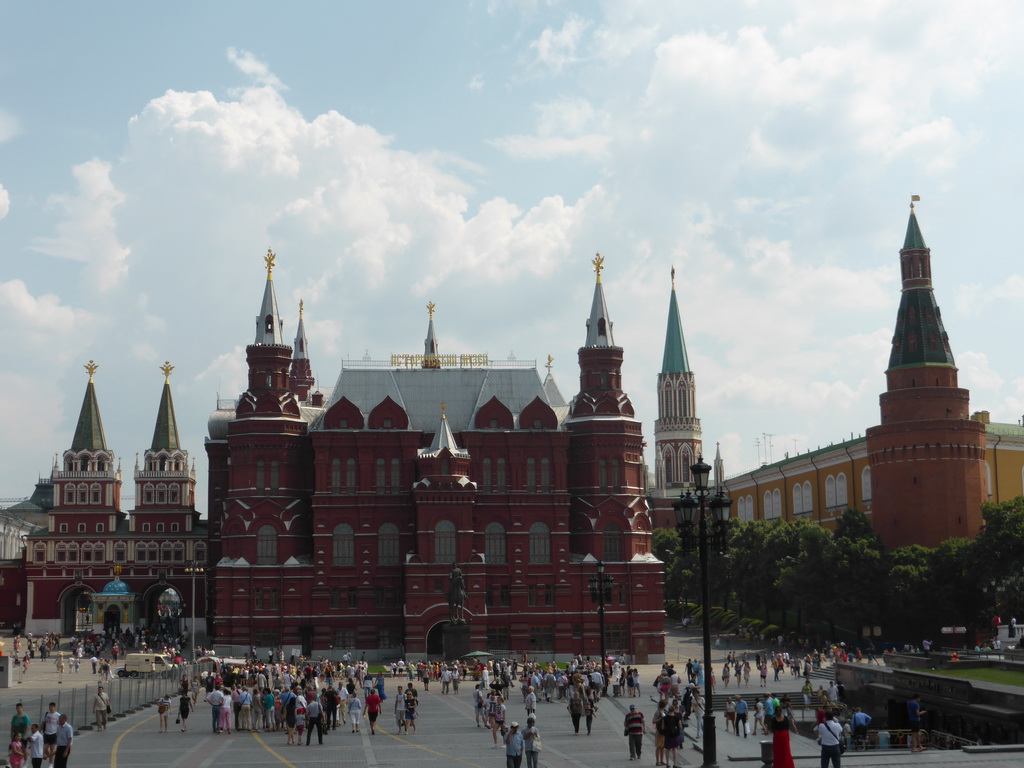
pixel 820 485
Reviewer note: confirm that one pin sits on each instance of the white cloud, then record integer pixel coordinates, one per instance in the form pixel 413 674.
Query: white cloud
pixel 258 70
pixel 556 49
pixel 88 232
pixel 565 128
pixel 976 373
pixel 521 147
pixel 5 202
pixel 8 127
pixel 476 82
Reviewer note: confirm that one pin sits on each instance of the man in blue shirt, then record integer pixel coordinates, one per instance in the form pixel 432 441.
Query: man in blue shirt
pixel 741 716
pixel 860 722
pixel 914 713
pixel 514 743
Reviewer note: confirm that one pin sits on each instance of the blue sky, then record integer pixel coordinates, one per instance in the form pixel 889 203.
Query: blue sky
pixel 477 155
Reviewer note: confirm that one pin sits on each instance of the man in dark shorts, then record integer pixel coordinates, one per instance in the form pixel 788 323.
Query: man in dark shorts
pixel 373 709
pixel 51 722
pixel 914 713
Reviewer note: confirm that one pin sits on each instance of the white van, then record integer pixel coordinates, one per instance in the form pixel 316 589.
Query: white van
pixel 136 664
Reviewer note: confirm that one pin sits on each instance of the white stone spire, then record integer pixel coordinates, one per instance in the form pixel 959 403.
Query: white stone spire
pixel 599 324
pixel 268 322
pixel 719 468
pixel 299 350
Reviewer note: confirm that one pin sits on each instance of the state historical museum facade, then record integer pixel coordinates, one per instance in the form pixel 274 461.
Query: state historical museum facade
pixel 335 516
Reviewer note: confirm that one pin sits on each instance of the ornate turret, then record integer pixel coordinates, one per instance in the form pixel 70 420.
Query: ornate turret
pixel 430 343
pixel 927 456
pixel 599 324
pixel 89 430
pixel 268 322
pixel 165 479
pixel 269 360
pixel 300 377
pixel 88 479
pixel 677 435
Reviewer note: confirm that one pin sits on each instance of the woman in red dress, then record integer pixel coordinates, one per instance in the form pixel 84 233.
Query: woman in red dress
pixel 780 726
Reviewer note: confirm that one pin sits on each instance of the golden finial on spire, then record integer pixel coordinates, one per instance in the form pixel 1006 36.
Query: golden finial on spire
pixel 443 409
pixel 301 305
pixel 269 261
pixel 914 199
pixel 598 263
pixel 91 368
pixel 673 278
pixel 167 368
pixel 550 361
pixel 430 309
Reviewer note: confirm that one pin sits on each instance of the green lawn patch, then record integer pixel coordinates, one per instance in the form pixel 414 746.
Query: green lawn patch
pixel 986 675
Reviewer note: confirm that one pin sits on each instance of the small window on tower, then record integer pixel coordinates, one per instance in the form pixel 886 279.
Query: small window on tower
pixel 145 527
pixel 81 527
pixel 494 423
pixel 270 324
pixel 159 527
pixel 343 423
pixel 63 527
pixel 387 423
pixel 100 528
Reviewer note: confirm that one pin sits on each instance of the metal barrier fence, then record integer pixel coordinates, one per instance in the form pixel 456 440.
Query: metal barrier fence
pixel 126 694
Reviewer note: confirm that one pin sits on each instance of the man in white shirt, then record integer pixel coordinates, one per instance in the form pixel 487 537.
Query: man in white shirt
pixel 215 699
pixel 65 734
pixel 35 746
pixel 829 733
pixel 51 722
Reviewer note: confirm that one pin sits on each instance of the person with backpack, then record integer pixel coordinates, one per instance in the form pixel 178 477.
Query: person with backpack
pixel 830 736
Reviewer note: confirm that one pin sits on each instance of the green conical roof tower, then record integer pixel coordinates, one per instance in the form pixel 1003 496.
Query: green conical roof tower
pixel 674 360
pixel 920 338
pixel 165 435
pixel 914 238
pixel 89 430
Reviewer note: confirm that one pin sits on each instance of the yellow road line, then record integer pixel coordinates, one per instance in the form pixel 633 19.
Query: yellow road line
pixel 427 749
pixel 267 747
pixel 113 754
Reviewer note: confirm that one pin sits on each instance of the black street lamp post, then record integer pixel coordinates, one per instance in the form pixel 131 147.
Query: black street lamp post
pixel 692 511
pixel 600 593
pixel 194 569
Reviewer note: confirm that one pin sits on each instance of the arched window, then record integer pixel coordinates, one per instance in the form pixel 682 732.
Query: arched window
pixel 396 476
pixel 776 503
pixel 201 552
pixel 540 544
pixel 444 542
pixel 172 494
pixel 275 477
pixel 841 496
pixel 120 552
pixel 808 498
pixel 261 482
pixel 69 494
pixel 767 505
pixel 616 476
pixel 865 484
pixel 165 552
pixel 988 479
pixel 344 544
pixel 830 492
pixel 487 480
pixel 380 475
pixel 798 499
pixel 545 475
pixel 336 476
pixel 668 472
pixel 387 545
pixel 602 476
pixel 494 544
pixel 39 555
pixel 500 481
pixel 94 493
pixel 685 462
pixel 350 475
pixel 612 541
pixel 531 474
pixel 178 554
pixel 83 494
pixel 266 545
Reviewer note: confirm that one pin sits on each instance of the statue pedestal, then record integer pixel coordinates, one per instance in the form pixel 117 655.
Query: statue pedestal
pixel 456 641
